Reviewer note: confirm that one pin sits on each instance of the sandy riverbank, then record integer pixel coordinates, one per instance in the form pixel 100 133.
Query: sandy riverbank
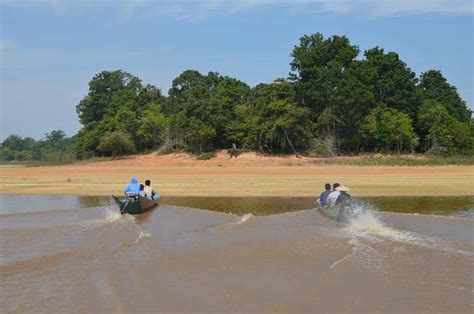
pixel 249 175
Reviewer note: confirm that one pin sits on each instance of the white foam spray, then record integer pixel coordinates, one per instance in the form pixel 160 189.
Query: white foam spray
pixel 368 225
pixel 245 218
pixel 109 214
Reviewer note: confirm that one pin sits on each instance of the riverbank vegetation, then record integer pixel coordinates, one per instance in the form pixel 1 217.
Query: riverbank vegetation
pixel 335 101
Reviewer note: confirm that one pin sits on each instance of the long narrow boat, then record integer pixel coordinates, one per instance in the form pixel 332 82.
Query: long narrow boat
pixel 342 212
pixel 331 212
pixel 135 206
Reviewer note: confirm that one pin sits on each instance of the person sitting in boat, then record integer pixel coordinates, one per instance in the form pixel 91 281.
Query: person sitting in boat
pixel 150 192
pixel 133 188
pixel 343 196
pixel 324 196
pixel 332 197
pixel 142 191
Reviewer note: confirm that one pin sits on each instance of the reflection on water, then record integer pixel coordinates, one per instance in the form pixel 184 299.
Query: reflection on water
pixel 275 205
pixel 441 205
pixel 38 203
pixel 462 206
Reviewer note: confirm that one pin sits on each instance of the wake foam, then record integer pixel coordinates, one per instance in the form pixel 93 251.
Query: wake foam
pixel 143 235
pixel 245 218
pixel 368 225
pixel 108 215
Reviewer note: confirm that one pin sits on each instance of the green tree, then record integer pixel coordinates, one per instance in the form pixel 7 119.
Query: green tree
pixel 443 134
pixel 153 127
pixel 199 135
pixel 13 142
pixel 115 102
pixel 204 106
pixel 116 143
pixel 353 102
pixel 387 129
pixel 243 130
pixel 187 87
pixel 55 139
pixel 434 86
pixel 281 125
pixel 108 90
pixel 394 84
pixel 317 67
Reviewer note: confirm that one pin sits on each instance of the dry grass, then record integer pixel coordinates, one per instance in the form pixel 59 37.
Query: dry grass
pixel 249 175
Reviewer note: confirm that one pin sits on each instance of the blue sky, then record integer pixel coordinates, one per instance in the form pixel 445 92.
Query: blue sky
pixel 50 49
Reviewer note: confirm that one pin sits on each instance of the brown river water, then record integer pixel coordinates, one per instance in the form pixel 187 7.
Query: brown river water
pixel 265 255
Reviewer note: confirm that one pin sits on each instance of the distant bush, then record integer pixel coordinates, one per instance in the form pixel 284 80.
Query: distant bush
pixel 23 156
pixel 117 144
pixel 206 156
pixel 325 147
pixel 7 154
pixel 56 157
pixel 399 161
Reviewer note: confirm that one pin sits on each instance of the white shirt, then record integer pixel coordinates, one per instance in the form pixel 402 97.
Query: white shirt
pixel 331 201
pixel 148 191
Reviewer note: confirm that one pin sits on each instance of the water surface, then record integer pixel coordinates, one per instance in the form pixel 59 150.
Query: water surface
pixel 78 254
pixel 442 205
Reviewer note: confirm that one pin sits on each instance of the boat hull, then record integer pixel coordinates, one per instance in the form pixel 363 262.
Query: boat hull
pixel 135 206
pixel 330 212
pixel 341 212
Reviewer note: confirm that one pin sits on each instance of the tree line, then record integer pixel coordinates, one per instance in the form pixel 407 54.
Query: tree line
pixel 334 101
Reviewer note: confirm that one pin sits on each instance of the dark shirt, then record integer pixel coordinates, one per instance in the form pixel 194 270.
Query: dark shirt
pixel 324 197
pixel 342 198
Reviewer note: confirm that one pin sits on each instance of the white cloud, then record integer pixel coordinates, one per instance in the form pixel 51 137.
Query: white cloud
pixel 56 5
pixel 7 44
pixel 200 9
pixel 195 10
pixel 399 7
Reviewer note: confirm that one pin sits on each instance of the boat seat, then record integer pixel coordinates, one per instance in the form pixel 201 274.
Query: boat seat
pixel 131 196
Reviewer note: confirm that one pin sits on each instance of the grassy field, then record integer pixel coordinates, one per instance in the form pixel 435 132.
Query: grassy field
pixel 248 175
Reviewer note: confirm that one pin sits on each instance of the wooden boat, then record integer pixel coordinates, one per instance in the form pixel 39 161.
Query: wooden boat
pixel 330 212
pixel 342 212
pixel 134 206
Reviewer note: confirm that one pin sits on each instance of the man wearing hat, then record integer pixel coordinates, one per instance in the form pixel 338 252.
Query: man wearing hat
pixel 332 197
pixel 343 195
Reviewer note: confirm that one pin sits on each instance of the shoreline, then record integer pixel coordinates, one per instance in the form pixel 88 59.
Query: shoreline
pixel 248 175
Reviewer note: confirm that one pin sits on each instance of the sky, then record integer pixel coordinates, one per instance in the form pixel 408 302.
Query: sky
pixel 51 49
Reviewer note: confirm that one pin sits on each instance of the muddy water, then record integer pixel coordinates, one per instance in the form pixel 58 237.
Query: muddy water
pixel 79 254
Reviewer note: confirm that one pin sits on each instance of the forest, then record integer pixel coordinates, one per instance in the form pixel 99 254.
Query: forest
pixel 335 100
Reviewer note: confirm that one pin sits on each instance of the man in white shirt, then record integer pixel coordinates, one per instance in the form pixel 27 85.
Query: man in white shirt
pixel 150 193
pixel 331 200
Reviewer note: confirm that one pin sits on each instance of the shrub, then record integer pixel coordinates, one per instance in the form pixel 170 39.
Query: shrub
pixel 23 155
pixel 7 154
pixel 324 147
pixel 117 144
pixel 206 156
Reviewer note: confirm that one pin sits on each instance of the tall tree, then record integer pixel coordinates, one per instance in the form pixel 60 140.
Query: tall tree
pixel 117 144
pixel 387 130
pixel 153 126
pixel 355 99
pixel 433 85
pixel 394 84
pixel 108 90
pixel 281 125
pixel 317 66
pixel 114 102
pixel 442 133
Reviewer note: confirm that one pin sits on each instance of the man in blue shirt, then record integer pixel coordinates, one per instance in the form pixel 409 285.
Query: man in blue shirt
pixel 132 187
pixel 324 196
